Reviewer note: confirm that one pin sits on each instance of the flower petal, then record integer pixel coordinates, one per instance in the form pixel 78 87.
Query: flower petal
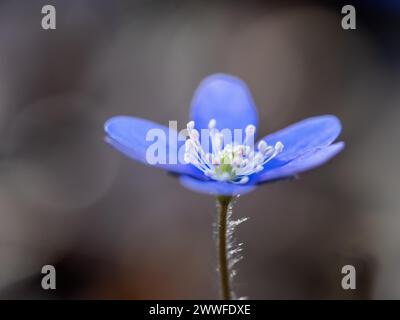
pixel 226 99
pixel 128 135
pixel 303 136
pixel 308 160
pixel 215 187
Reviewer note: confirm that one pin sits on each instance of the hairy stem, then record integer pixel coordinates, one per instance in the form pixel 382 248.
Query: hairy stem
pixel 223 267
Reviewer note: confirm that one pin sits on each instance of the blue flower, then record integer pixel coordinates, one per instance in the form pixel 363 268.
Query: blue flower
pixel 223 102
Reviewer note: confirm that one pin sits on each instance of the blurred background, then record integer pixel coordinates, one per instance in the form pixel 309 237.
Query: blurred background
pixel 115 229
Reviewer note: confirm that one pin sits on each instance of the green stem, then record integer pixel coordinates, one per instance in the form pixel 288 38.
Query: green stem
pixel 223 207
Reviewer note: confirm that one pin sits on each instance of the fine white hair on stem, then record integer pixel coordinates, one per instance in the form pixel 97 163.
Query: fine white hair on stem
pixel 233 247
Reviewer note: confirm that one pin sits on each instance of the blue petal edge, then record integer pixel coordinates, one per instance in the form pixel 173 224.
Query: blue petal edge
pixel 128 135
pixel 215 188
pixel 225 98
pixel 298 138
pixel 307 161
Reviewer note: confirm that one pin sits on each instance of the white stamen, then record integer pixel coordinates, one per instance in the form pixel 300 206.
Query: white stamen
pixel 189 145
pixel 243 180
pixel 237 161
pixel 262 146
pixel 244 163
pixel 225 176
pixel 188 157
pixel 232 163
pixel 212 124
pixel 250 130
pixel 268 151
pixel 258 158
pixel 219 139
pixel 190 125
pixel 249 138
pixel 279 146
pixel 194 134
pixel 216 160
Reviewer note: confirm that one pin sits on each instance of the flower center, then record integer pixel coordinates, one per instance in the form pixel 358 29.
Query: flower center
pixel 231 162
